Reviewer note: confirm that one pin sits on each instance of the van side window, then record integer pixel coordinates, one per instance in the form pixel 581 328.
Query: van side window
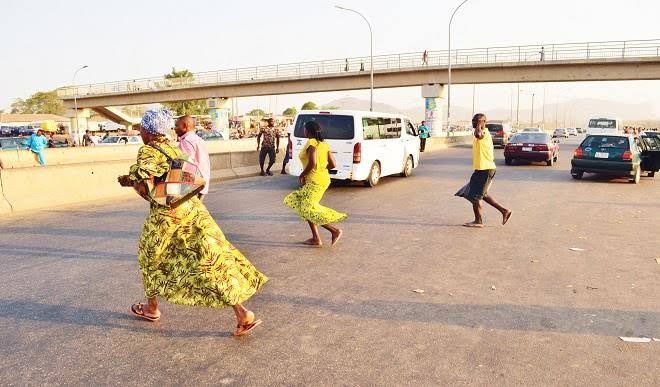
pixel 370 126
pixel 390 127
pixel 410 129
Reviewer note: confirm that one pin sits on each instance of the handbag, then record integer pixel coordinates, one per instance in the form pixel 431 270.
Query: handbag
pixel 182 181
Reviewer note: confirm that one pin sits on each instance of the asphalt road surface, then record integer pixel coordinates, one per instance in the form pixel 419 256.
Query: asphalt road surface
pixel 501 305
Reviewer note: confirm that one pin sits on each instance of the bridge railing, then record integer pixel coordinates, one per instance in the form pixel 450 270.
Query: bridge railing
pixel 391 62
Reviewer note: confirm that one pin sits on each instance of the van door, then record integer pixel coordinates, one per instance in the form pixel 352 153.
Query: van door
pixel 390 131
pixel 650 153
pixel 411 142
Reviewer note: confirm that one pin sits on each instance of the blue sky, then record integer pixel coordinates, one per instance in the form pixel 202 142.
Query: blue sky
pixel 45 41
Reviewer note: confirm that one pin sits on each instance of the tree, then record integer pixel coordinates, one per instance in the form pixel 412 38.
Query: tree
pixel 41 102
pixel 309 105
pixel 192 107
pixel 257 113
pixel 290 112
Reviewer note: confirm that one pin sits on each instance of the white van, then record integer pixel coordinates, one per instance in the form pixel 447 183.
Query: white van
pixel 604 125
pixel 366 145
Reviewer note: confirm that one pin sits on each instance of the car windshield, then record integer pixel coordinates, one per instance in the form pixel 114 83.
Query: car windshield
pixel 614 142
pixel 531 138
pixel 602 123
pixel 494 127
pixel 531 130
pixel 110 140
pixel 333 127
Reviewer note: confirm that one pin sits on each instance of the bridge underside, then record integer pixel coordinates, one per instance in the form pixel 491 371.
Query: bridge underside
pixel 554 71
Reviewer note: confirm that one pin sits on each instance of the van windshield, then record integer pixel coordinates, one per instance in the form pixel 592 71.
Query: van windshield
pixel 333 127
pixel 602 123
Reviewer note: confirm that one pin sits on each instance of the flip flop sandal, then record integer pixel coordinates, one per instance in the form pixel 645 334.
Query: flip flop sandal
pixel 246 328
pixel 138 310
pixel 473 225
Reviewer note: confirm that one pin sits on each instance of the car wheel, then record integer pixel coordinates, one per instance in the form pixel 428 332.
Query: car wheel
pixel 408 167
pixel 651 174
pixel 508 161
pixel 550 162
pixel 578 175
pixel 636 177
pixel 374 175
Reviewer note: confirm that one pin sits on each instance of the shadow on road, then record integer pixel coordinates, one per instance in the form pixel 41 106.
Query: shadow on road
pixel 603 322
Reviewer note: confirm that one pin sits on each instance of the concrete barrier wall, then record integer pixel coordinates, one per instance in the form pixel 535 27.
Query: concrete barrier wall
pixel 33 188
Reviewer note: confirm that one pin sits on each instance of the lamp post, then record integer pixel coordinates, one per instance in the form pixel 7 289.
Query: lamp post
pixel 532 125
pixel 371 53
pixel 75 94
pixel 518 109
pixel 449 68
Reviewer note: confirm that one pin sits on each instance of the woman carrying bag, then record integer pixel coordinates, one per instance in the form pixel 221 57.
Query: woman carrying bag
pixel 183 255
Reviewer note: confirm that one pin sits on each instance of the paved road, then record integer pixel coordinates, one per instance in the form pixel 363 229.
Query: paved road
pixel 502 305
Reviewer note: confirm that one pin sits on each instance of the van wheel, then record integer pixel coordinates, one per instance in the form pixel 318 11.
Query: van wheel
pixel 408 167
pixel 550 162
pixel 651 174
pixel 374 175
pixel 638 174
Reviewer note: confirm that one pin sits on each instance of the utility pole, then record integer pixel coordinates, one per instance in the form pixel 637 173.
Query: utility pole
pixel 518 109
pixel 532 125
pixel 474 86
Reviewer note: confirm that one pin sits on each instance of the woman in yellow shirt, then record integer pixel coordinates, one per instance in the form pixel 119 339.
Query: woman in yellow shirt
pixel 315 180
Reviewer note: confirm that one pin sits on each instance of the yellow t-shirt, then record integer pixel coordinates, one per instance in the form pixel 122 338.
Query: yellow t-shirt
pixel 482 152
pixel 319 174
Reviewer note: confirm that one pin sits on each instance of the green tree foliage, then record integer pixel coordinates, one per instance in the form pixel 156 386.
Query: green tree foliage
pixel 257 113
pixel 41 102
pixel 290 112
pixel 309 105
pixel 192 107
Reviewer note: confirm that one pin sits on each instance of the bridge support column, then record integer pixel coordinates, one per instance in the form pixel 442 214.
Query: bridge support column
pixel 433 95
pixel 219 110
pixel 76 132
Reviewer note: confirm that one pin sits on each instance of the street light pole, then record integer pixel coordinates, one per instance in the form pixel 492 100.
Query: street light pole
pixel 518 109
pixel 449 67
pixel 474 87
pixel 75 97
pixel 371 54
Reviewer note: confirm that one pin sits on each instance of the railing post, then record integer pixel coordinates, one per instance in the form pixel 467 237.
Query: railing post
pixel 298 72
pixel 277 72
pixel 487 55
pixel 587 50
pixel 518 53
pixel 399 61
pixel 236 75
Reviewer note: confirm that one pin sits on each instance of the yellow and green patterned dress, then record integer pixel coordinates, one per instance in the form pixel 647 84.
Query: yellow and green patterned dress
pixel 183 255
pixel 306 200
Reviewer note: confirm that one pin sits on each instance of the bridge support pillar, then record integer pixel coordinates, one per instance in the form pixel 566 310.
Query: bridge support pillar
pixel 433 95
pixel 220 110
pixel 76 132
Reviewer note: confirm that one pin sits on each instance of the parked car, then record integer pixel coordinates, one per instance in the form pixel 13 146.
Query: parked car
pixel 120 140
pixel 500 132
pixel 10 143
pixel 531 147
pixel 559 132
pixel 580 130
pixel 615 155
pixel 366 145
pixel 210 135
pixel 572 131
pixel 531 130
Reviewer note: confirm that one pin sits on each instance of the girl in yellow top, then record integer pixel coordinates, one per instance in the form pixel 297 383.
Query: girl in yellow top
pixel 315 180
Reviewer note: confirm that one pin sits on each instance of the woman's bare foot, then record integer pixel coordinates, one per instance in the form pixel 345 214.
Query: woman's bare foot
pixel 313 242
pixel 336 236
pixel 474 225
pixel 506 216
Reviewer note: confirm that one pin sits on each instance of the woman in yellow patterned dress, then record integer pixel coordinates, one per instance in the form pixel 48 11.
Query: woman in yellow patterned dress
pixel 315 180
pixel 183 255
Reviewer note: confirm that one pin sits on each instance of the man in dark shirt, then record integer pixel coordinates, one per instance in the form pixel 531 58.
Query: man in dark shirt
pixel 269 146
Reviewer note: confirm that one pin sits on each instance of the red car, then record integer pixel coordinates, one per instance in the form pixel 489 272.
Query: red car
pixel 531 147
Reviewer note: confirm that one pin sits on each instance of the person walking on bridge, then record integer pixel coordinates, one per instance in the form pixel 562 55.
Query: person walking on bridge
pixel 195 147
pixel 315 180
pixel 483 163
pixel 269 146
pixel 183 255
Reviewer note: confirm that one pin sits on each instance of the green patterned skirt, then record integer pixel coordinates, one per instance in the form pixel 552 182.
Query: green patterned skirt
pixel 186 259
pixel 306 202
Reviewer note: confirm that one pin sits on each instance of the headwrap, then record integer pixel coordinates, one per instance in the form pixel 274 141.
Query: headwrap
pixel 157 121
